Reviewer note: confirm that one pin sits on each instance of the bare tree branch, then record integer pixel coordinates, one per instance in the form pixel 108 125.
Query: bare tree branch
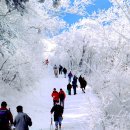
pixel 14 66
pixel 123 10
pixel 3 64
pixel 122 35
pixel 7 13
pixel 2 54
pixel 38 28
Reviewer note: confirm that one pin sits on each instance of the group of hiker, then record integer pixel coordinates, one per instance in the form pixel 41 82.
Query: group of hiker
pixel 71 78
pixel 58 106
pixel 59 70
pixel 59 97
pixel 74 85
pixel 21 122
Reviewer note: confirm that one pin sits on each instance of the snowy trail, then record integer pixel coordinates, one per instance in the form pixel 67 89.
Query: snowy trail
pixel 81 110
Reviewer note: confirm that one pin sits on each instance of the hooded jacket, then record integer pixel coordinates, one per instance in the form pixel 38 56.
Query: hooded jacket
pixel 5 126
pixel 22 121
pixel 58 111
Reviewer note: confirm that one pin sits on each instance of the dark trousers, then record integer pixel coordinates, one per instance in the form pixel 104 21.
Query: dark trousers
pixel 74 90
pixel 69 79
pixel 62 103
pixel 60 71
pixel 65 75
pixel 54 102
pixel 69 92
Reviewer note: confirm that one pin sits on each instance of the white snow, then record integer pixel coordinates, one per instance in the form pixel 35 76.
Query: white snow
pixel 82 111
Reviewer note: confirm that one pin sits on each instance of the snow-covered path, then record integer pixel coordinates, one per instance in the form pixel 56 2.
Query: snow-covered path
pixel 82 111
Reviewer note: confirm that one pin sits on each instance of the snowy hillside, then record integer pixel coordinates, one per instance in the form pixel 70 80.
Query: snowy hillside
pixel 89 37
pixel 82 111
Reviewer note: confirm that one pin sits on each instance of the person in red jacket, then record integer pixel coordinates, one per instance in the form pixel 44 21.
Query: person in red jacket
pixel 55 96
pixel 62 96
pixel 6 118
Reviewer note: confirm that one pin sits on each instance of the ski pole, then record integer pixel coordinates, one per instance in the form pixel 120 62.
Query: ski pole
pixel 51 125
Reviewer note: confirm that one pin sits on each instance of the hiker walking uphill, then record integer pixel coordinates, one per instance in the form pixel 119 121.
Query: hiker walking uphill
pixel 22 120
pixel 83 83
pixel 65 72
pixel 6 118
pixel 70 76
pixel 69 86
pixel 46 61
pixel 55 96
pixel 80 80
pixel 60 69
pixel 58 112
pixel 75 78
pixel 62 96
pixel 55 68
pixel 74 85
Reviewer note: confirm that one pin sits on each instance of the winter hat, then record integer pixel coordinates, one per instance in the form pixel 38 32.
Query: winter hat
pixel 3 104
pixel 54 89
pixel 19 108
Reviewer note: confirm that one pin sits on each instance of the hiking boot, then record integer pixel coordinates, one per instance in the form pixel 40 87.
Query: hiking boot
pixel 56 127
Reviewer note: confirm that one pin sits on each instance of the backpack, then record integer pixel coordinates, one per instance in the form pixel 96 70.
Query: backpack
pixel 28 120
pixel 4 117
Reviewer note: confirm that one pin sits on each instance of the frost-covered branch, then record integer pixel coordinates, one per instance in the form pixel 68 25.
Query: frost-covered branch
pixel 127 16
pixel 3 64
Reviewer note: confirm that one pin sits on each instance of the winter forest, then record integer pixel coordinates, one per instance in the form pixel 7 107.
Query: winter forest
pixel 97 47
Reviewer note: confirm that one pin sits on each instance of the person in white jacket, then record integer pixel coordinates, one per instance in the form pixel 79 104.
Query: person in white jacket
pixel 22 120
pixel 55 68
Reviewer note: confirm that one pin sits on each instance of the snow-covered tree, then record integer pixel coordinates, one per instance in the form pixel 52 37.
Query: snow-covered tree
pixel 99 47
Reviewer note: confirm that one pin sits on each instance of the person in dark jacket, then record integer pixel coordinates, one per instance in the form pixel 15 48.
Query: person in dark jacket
pixel 58 112
pixel 69 86
pixel 6 117
pixel 62 96
pixel 65 72
pixel 75 78
pixel 22 120
pixel 80 80
pixel 83 83
pixel 60 69
pixel 74 85
pixel 70 76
